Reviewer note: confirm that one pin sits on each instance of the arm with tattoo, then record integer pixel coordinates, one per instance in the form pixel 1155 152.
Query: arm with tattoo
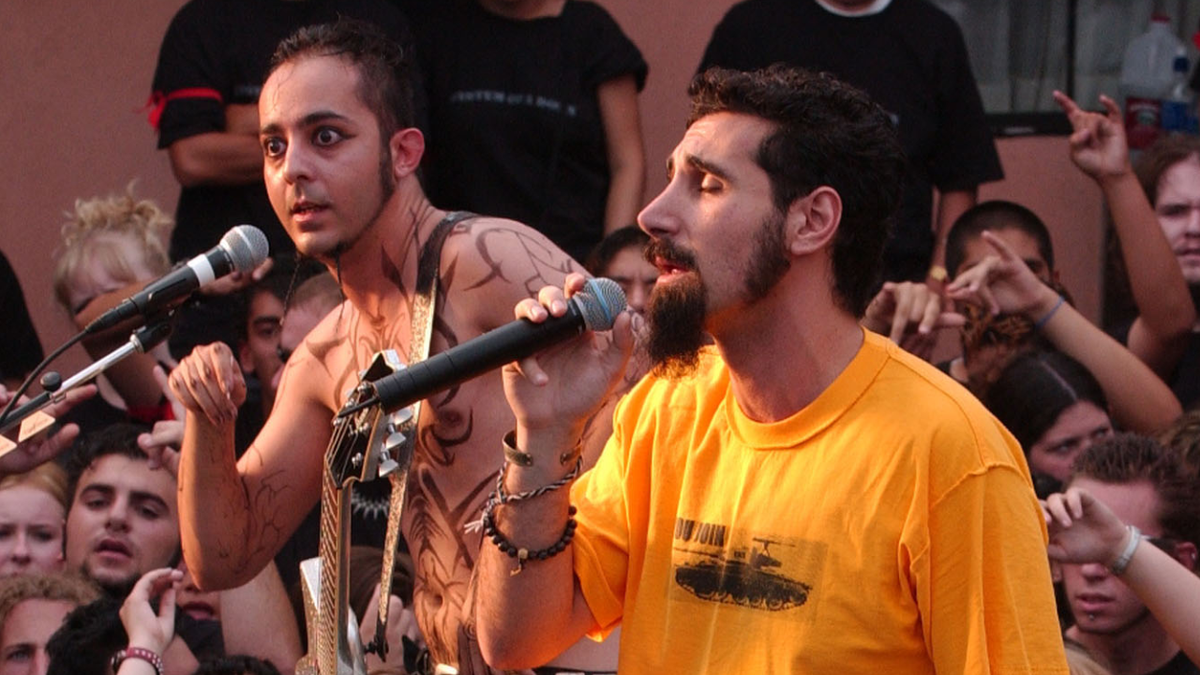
pixel 235 517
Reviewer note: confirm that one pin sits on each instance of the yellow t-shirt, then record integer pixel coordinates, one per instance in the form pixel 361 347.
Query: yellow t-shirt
pixel 888 527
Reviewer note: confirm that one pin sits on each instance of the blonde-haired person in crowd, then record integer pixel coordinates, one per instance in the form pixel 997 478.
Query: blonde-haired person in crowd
pixel 33 510
pixel 111 247
pixel 32 607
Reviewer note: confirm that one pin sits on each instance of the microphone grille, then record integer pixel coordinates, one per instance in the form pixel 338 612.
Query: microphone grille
pixel 600 301
pixel 247 247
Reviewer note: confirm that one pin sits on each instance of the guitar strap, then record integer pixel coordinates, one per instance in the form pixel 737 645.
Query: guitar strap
pixel 424 309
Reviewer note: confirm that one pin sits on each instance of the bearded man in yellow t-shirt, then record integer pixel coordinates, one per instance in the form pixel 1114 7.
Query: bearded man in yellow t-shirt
pixel 799 497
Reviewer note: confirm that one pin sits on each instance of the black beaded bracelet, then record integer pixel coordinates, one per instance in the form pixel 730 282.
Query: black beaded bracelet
pixel 524 555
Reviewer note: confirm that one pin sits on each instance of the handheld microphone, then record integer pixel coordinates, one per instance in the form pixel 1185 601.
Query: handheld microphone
pixel 594 308
pixel 241 250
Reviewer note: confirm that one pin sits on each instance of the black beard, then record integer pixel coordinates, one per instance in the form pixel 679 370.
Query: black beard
pixel 769 263
pixel 675 316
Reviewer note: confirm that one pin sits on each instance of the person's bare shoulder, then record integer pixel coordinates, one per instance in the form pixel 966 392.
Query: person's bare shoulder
pixel 489 264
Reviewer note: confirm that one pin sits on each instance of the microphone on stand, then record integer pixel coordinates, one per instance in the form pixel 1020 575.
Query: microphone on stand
pixel 241 250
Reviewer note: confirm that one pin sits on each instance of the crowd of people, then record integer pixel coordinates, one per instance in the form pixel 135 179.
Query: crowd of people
pixel 759 468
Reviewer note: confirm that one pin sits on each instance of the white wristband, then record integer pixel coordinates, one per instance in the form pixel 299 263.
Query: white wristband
pixel 1122 561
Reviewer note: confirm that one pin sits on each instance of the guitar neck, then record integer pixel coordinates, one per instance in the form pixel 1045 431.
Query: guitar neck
pixel 334 652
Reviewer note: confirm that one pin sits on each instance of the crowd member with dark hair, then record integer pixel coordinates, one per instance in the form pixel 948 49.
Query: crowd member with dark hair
pixel 909 55
pixel 123 520
pixel 1084 530
pixel 32 607
pixel 533 114
pixel 341 157
pixel 1055 408
pixel 620 256
pixel 1130 480
pixel 260 327
pixel 1004 285
pixel 768 236
pixel 90 635
pixel 1027 232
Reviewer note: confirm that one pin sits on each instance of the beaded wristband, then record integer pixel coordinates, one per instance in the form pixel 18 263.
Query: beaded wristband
pixel 524 555
pixel 1122 562
pixel 1041 323
pixel 138 653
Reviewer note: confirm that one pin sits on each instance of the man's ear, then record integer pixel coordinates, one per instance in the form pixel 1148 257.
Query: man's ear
pixel 1185 553
pixel 813 220
pixel 245 358
pixel 407 147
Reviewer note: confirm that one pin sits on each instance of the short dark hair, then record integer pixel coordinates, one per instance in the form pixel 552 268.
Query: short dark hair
pixel 997 214
pixel 827 133
pixel 89 636
pixel 1035 388
pixel 1165 153
pixel 385 68
pixel 1128 458
pixel 616 241
pixel 114 439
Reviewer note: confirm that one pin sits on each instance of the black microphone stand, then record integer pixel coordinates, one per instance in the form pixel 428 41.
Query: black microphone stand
pixel 141 341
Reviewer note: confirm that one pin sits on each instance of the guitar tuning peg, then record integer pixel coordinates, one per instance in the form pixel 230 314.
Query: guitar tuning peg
pixel 402 416
pixel 393 441
pixel 357 460
pixel 387 466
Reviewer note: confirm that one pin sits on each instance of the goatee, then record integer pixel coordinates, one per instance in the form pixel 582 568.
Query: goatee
pixel 675 315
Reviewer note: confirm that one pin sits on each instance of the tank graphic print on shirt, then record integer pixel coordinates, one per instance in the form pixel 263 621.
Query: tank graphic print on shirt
pixel 715 564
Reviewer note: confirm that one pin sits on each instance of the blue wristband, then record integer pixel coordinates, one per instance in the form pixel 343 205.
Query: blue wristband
pixel 1041 323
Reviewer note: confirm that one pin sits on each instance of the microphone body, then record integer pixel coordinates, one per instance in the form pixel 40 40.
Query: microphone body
pixel 594 308
pixel 241 250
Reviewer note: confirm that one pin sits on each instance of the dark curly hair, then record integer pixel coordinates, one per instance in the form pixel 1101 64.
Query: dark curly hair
pixel 827 133
pixel 87 639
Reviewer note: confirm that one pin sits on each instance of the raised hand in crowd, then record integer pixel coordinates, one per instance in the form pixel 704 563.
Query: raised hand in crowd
pixel 1003 283
pixel 1099 148
pixel 41 447
pixel 147 629
pixel 1083 530
pixel 161 444
pixel 911 314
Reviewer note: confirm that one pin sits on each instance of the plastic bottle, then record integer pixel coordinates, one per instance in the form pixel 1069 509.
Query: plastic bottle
pixel 1178 104
pixel 1146 75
